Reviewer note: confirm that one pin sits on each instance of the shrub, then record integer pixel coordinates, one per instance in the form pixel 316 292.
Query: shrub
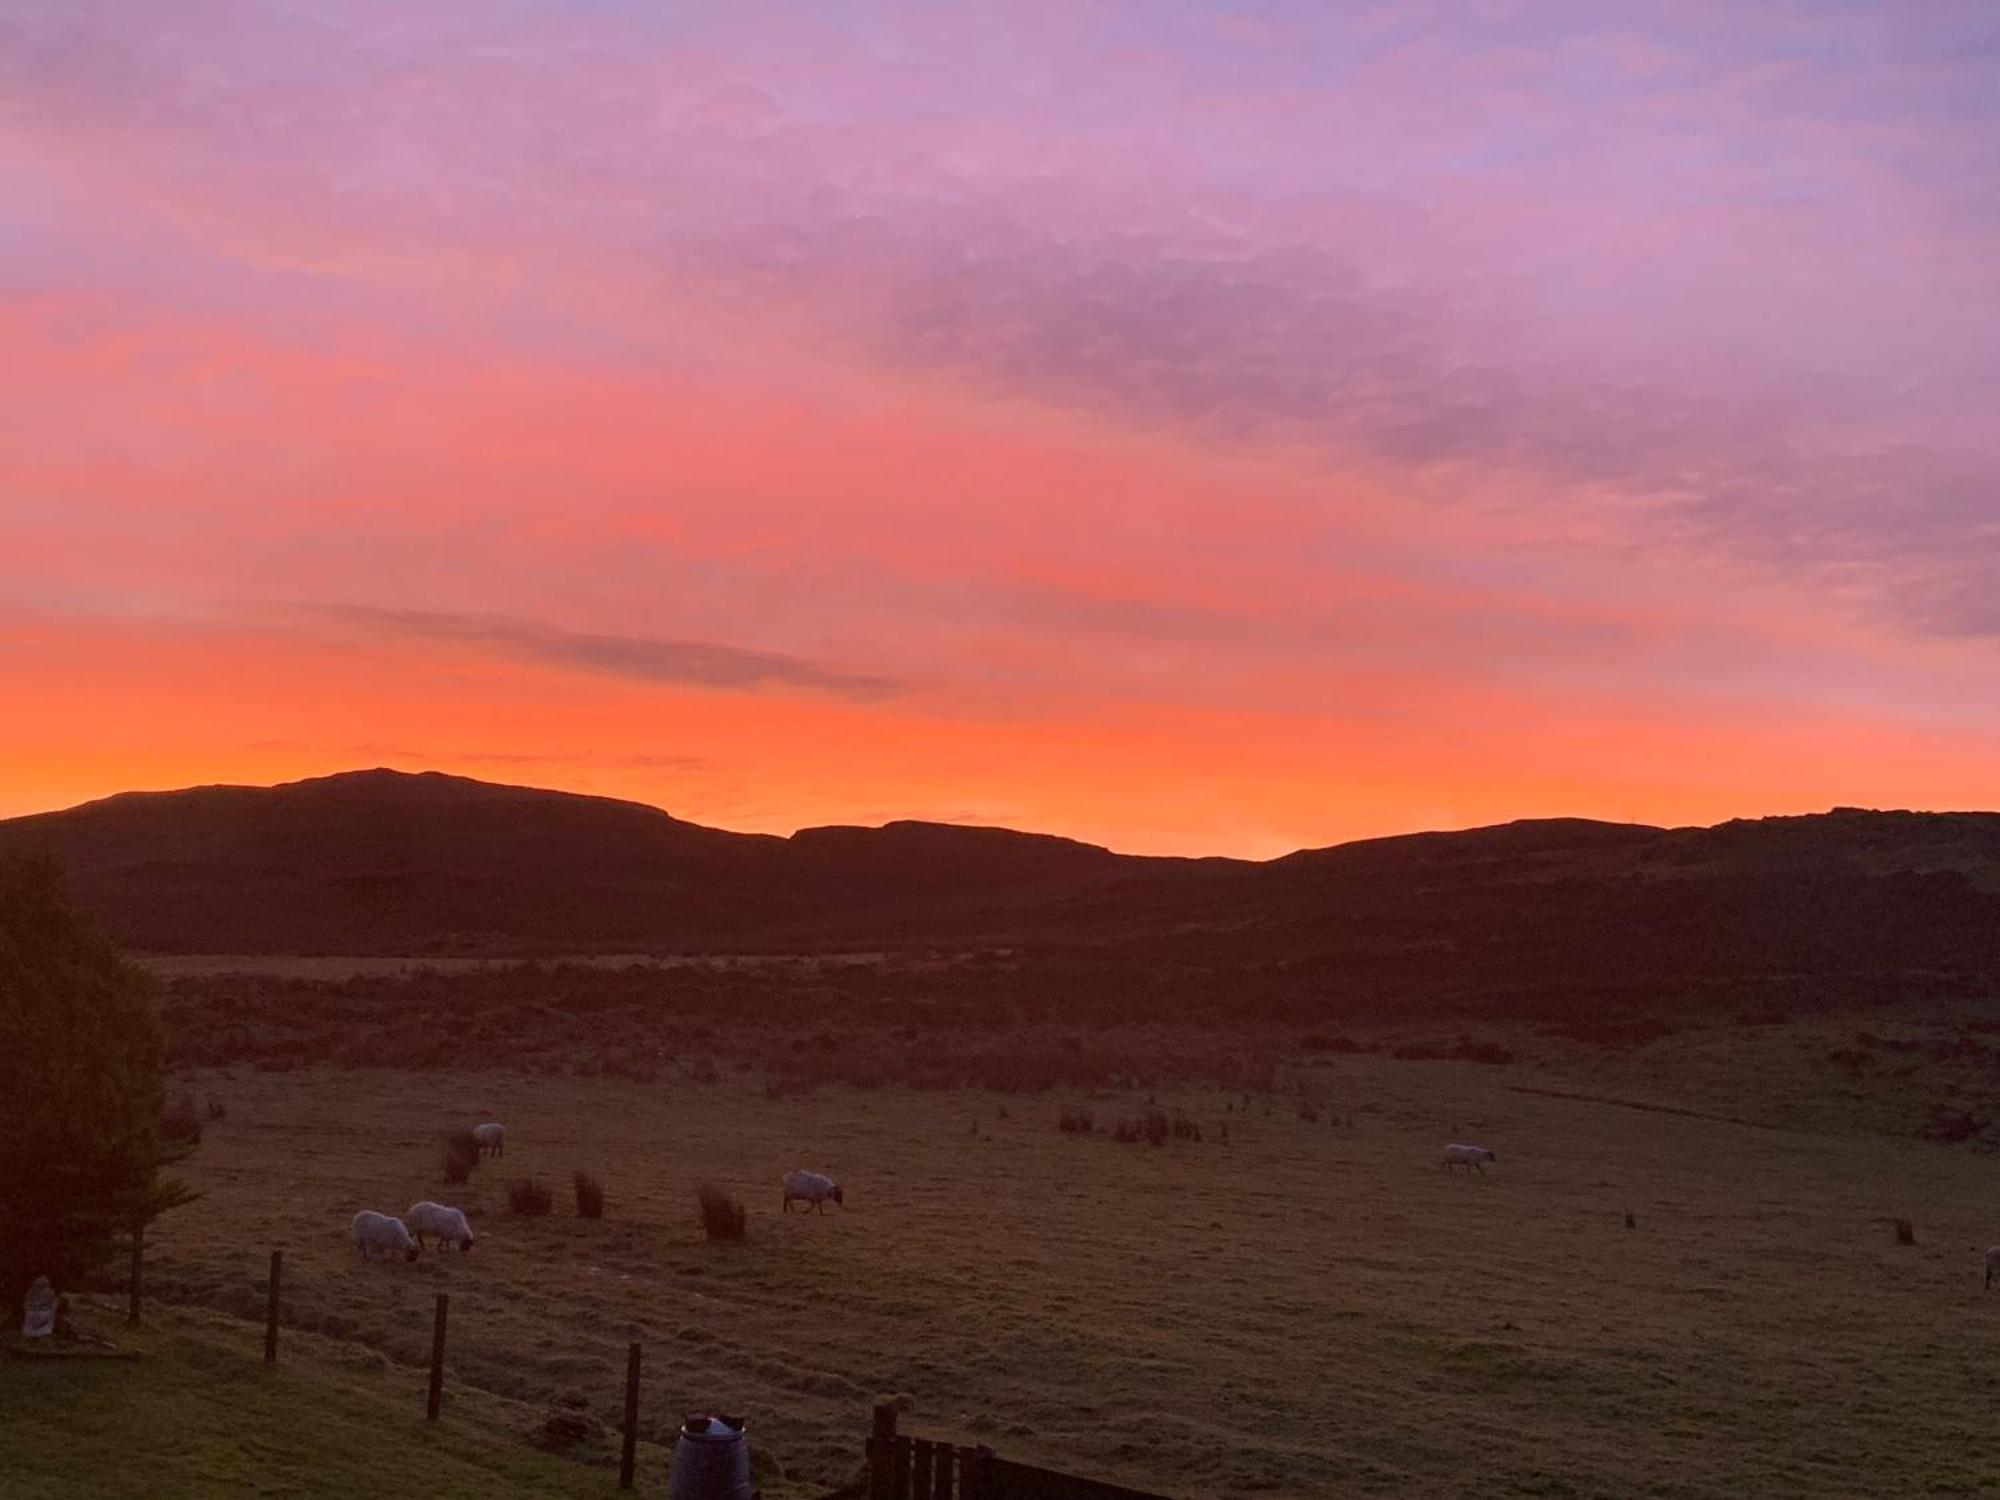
pixel 589 1197
pixel 1157 1127
pixel 1906 1233
pixel 216 1111
pixel 1078 1122
pixel 1309 1111
pixel 1185 1129
pixel 460 1153
pixel 529 1198
pixel 180 1122
pixel 1127 1133
pixel 721 1215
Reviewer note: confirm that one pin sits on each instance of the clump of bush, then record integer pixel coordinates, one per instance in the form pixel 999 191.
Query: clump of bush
pixel 589 1196
pixel 180 1122
pixel 1127 1132
pixel 1309 1111
pixel 1185 1129
pixel 1078 1122
pixel 1157 1127
pixel 216 1110
pixel 529 1198
pixel 722 1217
pixel 1906 1233
pixel 460 1154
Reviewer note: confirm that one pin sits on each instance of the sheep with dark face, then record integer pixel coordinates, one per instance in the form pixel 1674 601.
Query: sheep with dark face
pixel 815 1188
pixel 1467 1156
pixel 448 1225
pixel 382 1234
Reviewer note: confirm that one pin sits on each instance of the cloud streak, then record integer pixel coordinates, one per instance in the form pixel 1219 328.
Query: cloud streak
pixel 703 664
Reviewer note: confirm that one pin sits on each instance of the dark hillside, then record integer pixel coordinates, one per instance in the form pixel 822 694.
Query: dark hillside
pixel 1557 917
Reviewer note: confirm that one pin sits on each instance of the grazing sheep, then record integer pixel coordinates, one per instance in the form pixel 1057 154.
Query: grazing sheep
pixel 491 1138
pixel 1469 1156
pixel 1992 1265
pixel 382 1232
pixel 447 1224
pixel 811 1187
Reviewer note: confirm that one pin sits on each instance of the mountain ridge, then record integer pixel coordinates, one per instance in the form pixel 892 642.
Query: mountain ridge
pixel 1559 913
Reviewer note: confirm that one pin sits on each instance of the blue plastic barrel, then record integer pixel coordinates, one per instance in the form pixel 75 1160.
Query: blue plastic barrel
pixel 711 1460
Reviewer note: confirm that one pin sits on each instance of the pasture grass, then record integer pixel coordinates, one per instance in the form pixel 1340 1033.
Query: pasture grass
pixel 200 1415
pixel 1643 1297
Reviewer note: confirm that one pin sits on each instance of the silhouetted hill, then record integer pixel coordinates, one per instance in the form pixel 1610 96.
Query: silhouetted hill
pixel 1553 917
pixel 383 861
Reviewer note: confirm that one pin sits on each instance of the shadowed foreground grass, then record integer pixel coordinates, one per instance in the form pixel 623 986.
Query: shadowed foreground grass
pixel 199 1415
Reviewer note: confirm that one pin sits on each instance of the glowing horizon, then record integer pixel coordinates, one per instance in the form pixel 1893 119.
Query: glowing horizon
pixel 1188 431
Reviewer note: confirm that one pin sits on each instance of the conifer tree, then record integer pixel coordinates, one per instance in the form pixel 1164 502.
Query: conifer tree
pixel 80 1088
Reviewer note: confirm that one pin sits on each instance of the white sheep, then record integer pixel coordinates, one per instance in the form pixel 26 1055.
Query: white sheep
pixel 1992 1265
pixel 382 1232
pixel 491 1138
pixel 447 1224
pixel 1468 1156
pixel 811 1187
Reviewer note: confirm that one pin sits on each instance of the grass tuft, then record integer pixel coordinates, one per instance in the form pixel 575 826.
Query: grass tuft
pixel 722 1217
pixel 180 1122
pixel 589 1196
pixel 459 1154
pixel 529 1198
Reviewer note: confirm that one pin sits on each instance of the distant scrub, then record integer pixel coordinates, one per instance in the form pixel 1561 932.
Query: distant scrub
pixel 1077 1122
pixel 1462 1050
pixel 1314 1041
pixel 589 1196
pixel 722 1217
pixel 529 1198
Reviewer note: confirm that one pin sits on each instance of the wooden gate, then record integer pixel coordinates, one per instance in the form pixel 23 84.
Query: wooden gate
pixel 907 1468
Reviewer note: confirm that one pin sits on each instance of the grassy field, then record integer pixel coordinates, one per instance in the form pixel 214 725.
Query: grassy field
pixel 198 1414
pixel 1309 1309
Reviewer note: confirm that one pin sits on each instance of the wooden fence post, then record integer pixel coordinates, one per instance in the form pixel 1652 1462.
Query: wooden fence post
pixel 138 1270
pixel 882 1455
pixel 904 1454
pixel 271 1310
pixel 947 1456
pixel 630 1456
pixel 920 1487
pixel 437 1358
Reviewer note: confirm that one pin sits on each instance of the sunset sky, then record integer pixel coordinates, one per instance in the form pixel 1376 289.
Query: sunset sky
pixel 1189 427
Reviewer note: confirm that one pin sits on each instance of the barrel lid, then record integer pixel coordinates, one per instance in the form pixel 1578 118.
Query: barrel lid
pixel 712 1427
